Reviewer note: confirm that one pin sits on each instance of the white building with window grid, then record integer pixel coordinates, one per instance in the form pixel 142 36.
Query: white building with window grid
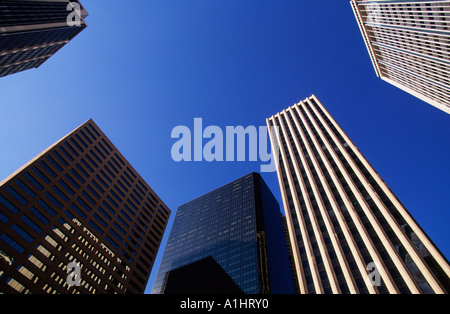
pixel 409 45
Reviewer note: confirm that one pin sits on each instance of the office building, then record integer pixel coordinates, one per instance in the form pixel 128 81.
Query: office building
pixel 408 43
pixel 79 201
pixel 31 31
pixel 229 240
pixel 349 233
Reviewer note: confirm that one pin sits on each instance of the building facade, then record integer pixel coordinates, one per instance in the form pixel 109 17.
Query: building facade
pixel 349 233
pixel 78 218
pixel 31 31
pixel 408 43
pixel 233 234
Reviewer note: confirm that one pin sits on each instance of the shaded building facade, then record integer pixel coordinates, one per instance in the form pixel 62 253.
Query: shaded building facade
pixel 79 201
pixel 348 231
pixel 408 43
pixel 32 31
pixel 236 233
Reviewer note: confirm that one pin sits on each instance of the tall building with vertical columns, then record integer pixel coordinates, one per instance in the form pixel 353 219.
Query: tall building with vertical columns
pixel 408 43
pixel 79 201
pixel 346 226
pixel 31 31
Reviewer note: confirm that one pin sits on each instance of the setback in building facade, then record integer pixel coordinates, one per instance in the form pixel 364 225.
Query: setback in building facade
pixel 80 202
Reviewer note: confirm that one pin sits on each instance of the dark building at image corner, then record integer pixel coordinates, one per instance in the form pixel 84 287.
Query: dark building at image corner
pixel 31 31
pixel 230 240
pixel 79 201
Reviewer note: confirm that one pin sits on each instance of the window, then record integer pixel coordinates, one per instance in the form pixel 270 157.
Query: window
pixel 98 188
pixel 96 227
pixel 78 210
pixel 104 213
pixel 47 168
pixel 119 228
pixel 12 243
pixel 93 192
pixel 16 195
pixel 71 181
pixel 100 220
pixel 39 215
pixel 41 175
pixel 76 145
pixel 17 286
pixel 83 203
pixel 114 233
pixel 3 218
pixel 8 205
pixel 67 154
pixel 54 200
pixel 82 170
pixel 31 224
pixel 68 189
pixel 22 233
pixel 81 141
pixel 34 182
pixel 109 207
pixel 86 165
pixel 77 175
pixel 96 157
pixel 25 188
pixel 47 208
pixel 63 161
pixel 112 242
pixel 60 193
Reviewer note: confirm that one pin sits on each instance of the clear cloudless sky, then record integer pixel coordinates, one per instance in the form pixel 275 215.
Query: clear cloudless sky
pixel 143 67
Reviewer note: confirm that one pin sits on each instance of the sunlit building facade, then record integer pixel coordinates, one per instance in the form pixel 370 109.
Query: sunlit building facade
pixel 408 43
pixel 81 202
pixel 349 233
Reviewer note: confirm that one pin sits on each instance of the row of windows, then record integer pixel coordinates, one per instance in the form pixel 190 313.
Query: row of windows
pixel 136 193
pixel 51 241
pixel 7 70
pixel 19 57
pixel 43 219
pixel 23 13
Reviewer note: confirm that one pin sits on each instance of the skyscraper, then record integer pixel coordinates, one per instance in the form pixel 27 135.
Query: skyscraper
pixel 229 240
pixel 31 31
pixel 79 202
pixel 408 43
pixel 349 233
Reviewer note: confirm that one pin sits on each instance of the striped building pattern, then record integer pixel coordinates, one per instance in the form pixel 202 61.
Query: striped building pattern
pixel 409 45
pixel 345 224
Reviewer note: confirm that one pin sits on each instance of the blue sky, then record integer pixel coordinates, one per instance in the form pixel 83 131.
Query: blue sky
pixel 143 67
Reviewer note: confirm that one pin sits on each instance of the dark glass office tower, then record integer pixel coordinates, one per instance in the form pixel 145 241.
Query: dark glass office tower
pixel 32 31
pixel 80 201
pixel 349 233
pixel 234 235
